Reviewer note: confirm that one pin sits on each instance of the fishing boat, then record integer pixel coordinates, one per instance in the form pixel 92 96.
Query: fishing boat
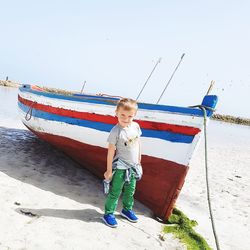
pixel 79 124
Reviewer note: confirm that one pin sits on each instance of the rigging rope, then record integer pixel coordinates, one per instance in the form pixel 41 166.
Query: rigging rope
pixel 204 109
pixel 29 112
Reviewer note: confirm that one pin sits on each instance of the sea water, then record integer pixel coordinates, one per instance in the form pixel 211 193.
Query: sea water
pixel 8 108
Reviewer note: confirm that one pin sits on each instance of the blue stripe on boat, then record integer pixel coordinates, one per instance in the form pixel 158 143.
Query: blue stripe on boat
pixel 112 102
pixel 164 135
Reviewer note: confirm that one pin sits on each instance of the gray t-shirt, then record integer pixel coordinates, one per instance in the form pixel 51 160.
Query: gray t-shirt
pixel 126 141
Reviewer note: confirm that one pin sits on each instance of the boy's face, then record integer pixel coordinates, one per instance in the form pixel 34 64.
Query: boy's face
pixel 125 117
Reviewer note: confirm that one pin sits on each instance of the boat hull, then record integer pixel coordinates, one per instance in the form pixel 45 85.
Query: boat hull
pixel 158 189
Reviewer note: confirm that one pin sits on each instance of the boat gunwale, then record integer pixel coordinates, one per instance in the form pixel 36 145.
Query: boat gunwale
pixel 95 99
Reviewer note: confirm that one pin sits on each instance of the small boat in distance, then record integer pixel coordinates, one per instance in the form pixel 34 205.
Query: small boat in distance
pixel 79 125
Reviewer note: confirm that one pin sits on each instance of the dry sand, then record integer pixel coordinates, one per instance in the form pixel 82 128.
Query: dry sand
pixel 229 175
pixel 68 201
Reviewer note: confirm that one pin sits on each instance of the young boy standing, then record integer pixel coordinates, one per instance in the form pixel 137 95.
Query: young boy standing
pixel 124 158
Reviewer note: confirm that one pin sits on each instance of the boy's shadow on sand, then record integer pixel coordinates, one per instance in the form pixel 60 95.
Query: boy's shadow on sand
pixel 87 215
pixel 26 158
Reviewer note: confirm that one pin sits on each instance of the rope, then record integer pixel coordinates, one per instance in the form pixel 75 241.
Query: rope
pixel 29 112
pixel 204 108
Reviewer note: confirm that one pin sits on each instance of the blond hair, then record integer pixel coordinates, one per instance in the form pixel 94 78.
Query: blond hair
pixel 127 104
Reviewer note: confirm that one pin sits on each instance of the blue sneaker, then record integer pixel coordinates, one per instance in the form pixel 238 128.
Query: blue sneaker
pixel 109 220
pixel 129 215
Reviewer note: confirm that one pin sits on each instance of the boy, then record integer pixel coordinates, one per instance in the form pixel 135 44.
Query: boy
pixel 124 157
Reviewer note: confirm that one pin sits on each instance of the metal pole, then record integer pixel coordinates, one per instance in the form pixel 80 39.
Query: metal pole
pixel 170 78
pixel 159 60
pixel 83 86
pixel 210 87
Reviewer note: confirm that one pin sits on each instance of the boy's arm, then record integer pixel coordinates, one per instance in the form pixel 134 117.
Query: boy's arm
pixel 139 160
pixel 139 133
pixel 110 157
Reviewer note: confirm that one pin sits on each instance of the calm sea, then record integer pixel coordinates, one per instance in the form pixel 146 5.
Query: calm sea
pixel 8 108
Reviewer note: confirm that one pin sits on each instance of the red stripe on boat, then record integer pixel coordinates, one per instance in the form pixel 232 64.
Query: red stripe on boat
pixel 36 88
pixel 108 119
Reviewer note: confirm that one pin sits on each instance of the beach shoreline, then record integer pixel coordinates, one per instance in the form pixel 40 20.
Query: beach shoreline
pixel 231 119
pixel 9 83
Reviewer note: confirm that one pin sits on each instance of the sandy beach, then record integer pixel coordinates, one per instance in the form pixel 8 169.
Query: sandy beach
pixel 228 163
pixel 66 201
pixel 48 202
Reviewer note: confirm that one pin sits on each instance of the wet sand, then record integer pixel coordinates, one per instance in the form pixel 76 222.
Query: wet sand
pixel 63 203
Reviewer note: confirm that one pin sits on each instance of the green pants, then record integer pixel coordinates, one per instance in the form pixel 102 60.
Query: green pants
pixel 117 186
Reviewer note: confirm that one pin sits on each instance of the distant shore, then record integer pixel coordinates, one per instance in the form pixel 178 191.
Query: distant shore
pixel 231 119
pixel 217 117
pixel 9 84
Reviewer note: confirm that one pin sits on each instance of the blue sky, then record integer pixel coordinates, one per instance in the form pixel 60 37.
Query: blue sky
pixel 113 45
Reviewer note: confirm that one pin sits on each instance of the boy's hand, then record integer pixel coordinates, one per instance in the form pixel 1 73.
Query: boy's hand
pixel 108 175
